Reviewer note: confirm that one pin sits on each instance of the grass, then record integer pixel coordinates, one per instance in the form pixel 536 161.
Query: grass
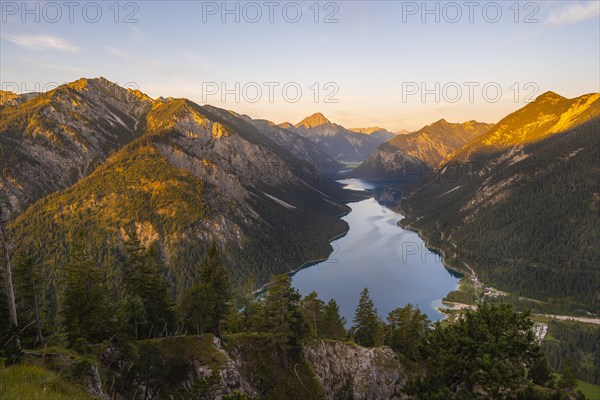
pixel 188 347
pixel 591 391
pixel 33 382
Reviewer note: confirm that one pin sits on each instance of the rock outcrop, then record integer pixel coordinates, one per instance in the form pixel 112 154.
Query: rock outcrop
pixel 375 372
pixel 248 365
pixel 405 155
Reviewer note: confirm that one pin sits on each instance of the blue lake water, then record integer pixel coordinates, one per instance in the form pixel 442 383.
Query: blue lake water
pixel 392 262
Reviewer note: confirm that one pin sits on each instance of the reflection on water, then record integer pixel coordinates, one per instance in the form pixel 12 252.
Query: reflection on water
pixel 378 254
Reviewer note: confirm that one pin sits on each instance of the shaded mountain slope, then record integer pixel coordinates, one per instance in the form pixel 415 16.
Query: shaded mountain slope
pixel 407 154
pixel 520 204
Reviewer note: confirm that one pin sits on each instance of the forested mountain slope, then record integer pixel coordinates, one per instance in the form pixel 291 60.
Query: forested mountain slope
pixel 191 177
pixel 520 205
pixel 426 148
pixel 50 141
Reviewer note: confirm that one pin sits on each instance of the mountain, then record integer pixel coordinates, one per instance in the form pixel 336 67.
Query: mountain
pixel 375 131
pixel 520 205
pixel 549 114
pixel 404 154
pixel 402 132
pixel 341 143
pixel 298 145
pixel 9 98
pixel 50 141
pixel 178 174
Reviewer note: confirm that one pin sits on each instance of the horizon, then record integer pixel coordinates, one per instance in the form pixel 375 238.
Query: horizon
pixel 347 60
pixel 351 128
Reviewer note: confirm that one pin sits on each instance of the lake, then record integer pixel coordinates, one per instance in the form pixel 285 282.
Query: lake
pixel 392 262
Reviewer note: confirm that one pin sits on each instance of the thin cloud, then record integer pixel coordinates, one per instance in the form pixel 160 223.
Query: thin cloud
pixel 137 35
pixel 574 13
pixel 58 67
pixel 152 65
pixel 42 42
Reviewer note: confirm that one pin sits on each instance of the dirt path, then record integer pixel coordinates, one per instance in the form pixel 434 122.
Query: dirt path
pixel 595 321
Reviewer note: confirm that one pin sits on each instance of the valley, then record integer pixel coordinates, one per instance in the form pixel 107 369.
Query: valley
pixel 324 200
pixel 172 188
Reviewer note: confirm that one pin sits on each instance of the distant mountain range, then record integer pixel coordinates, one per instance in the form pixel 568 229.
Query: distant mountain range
pixel 377 132
pixel 404 154
pixel 518 201
pixel 92 155
pixel 520 204
pixel 341 143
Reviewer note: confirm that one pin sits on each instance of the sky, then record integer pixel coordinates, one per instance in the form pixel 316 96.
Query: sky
pixel 394 64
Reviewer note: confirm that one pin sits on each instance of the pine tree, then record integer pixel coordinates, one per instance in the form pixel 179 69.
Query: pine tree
pixel 27 283
pixel 8 282
pixel 312 311
pixel 247 318
pixel 491 350
pixel 568 380
pixel 406 326
pixel 283 319
pixel 197 306
pixel 143 280
pixel 367 324
pixel 87 309
pixel 214 275
pixel 208 303
pixel 332 323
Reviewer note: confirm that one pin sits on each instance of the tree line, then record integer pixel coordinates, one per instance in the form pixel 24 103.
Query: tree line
pixel 489 353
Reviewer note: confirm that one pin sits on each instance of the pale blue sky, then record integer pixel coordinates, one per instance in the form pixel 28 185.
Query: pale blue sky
pixel 372 54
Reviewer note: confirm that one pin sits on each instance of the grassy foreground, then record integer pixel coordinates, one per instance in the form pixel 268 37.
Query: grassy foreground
pixel 35 382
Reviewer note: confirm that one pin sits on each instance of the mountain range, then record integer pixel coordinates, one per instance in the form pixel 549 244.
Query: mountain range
pixel 407 154
pixel 180 175
pixel 343 144
pixel 514 199
pixel 519 204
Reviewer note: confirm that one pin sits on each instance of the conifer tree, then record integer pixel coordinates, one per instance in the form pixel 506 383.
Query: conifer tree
pixel 406 326
pixel 283 319
pixel 146 291
pixel 28 285
pixel 367 324
pixel 87 309
pixel 332 324
pixel 312 311
pixel 208 303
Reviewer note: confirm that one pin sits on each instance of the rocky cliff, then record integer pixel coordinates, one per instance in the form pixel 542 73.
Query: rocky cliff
pixel 341 143
pixel 376 372
pixel 50 141
pixel 404 154
pixel 244 364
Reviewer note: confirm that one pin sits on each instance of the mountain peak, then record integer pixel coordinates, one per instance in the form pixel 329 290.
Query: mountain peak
pixel 551 96
pixel 368 131
pixel 286 125
pixel 314 120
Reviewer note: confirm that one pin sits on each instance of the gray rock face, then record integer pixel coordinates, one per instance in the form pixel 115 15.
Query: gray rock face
pixel 252 189
pixel 375 371
pixel 341 143
pixel 50 141
pixel 406 155
pixel 298 145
